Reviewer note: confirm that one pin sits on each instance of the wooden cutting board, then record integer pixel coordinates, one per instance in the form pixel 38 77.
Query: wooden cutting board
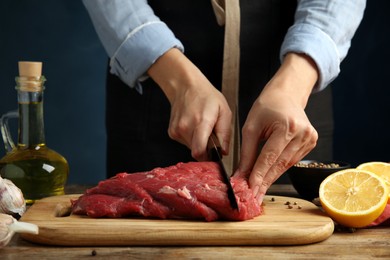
pixel 279 225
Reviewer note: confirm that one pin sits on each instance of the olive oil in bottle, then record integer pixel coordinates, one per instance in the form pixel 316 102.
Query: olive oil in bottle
pixel 36 169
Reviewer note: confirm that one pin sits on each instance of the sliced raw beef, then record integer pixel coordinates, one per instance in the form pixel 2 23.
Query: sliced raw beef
pixel 192 190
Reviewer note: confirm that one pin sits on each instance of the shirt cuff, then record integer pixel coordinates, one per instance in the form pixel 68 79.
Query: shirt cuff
pixel 309 40
pixel 140 50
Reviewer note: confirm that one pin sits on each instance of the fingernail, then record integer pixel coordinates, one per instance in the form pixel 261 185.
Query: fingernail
pixel 260 198
pixel 255 191
pixel 225 147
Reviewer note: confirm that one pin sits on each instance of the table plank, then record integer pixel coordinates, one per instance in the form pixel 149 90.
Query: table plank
pixel 362 244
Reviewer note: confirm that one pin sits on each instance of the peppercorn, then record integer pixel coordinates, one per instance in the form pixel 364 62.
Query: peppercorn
pixel 317 165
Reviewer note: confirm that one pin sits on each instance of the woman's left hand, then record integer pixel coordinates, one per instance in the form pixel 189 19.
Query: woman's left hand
pixel 278 119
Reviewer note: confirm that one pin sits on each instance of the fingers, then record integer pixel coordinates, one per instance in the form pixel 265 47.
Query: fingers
pixel 279 153
pixel 202 132
pixel 195 138
pixel 192 124
pixel 249 149
pixel 286 145
pixel 199 141
pixel 178 128
pixel 272 149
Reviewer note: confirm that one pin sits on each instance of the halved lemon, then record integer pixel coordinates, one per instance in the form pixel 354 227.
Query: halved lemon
pixel 353 197
pixel 381 169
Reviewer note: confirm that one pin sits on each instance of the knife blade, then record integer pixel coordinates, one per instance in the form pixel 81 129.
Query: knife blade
pixel 215 154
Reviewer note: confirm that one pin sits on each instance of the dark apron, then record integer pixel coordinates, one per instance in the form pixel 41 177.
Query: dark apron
pixel 137 137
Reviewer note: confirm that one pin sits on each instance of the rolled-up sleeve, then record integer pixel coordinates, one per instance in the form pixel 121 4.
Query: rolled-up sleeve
pixel 133 37
pixel 323 30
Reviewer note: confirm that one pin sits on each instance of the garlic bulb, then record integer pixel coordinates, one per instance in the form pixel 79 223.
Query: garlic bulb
pixel 5 233
pixel 11 198
pixel 9 225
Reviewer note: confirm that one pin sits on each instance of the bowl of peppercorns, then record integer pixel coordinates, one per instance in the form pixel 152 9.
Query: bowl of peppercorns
pixel 306 176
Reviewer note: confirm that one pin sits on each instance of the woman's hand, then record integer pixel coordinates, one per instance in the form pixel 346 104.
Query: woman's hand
pixel 278 119
pixel 197 108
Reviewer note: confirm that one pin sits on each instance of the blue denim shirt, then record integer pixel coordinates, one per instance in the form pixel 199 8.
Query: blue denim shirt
pixel 134 37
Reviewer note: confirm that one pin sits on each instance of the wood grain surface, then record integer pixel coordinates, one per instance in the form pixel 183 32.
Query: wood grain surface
pixel 304 223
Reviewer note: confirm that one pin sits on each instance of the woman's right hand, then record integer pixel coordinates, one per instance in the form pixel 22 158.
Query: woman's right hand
pixel 197 107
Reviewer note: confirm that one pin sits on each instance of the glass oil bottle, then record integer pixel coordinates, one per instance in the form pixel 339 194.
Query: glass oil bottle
pixel 36 169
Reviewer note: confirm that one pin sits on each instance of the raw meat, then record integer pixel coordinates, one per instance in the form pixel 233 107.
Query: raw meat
pixel 193 190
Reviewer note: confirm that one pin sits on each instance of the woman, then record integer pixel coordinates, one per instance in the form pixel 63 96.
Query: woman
pixel 153 86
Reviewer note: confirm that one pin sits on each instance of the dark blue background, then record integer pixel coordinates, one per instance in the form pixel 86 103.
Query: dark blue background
pixel 60 34
pixel 362 91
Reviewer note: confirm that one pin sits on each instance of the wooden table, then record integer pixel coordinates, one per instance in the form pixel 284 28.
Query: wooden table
pixel 343 244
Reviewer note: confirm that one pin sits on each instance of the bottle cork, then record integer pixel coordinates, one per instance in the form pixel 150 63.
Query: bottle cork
pixel 30 69
pixel 30 76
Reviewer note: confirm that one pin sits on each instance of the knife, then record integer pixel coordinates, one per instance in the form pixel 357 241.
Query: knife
pixel 215 154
